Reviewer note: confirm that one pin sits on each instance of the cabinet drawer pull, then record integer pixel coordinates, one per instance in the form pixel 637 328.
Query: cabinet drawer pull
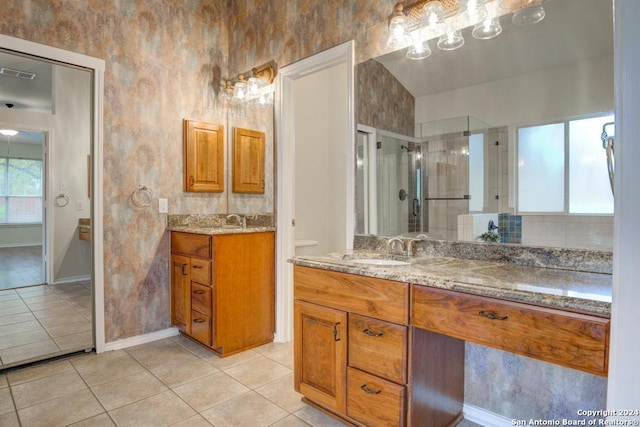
pixel 198 320
pixel 197 266
pixel 370 333
pixel 492 316
pixel 368 390
pixel 335 332
pixel 191 181
pixel 198 292
pixel 184 272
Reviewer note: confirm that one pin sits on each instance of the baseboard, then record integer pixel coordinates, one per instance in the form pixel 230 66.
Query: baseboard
pixel 71 280
pixel 19 245
pixel 483 417
pixel 141 339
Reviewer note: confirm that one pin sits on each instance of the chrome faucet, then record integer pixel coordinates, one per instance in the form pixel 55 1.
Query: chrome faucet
pixel 410 244
pixel 241 219
pixel 392 242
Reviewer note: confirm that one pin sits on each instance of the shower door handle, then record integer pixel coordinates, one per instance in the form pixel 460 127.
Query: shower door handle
pixel 416 207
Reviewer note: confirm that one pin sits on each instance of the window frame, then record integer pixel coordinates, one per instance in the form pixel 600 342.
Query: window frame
pixel 565 122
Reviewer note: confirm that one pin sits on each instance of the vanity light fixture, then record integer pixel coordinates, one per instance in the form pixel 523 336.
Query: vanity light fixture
pixel 414 25
pixel 259 87
pixel 8 132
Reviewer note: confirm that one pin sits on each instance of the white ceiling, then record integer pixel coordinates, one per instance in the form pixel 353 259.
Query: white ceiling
pixel 31 95
pixel 572 31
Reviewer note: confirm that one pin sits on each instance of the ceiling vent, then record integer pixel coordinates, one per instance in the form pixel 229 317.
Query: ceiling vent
pixel 20 74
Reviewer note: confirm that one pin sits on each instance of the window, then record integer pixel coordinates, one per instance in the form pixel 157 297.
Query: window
pixel 20 191
pixel 562 168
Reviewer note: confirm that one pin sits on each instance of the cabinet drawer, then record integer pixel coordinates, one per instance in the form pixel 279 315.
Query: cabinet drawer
pixel 201 271
pixel 378 347
pixel 374 401
pixel 201 327
pixel 201 298
pixel 574 340
pixel 197 245
pixel 383 299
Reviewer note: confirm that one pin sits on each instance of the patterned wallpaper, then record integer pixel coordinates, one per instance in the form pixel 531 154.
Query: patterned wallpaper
pixel 381 100
pixel 161 59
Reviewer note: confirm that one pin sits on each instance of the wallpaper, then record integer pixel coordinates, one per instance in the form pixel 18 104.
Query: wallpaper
pixel 164 61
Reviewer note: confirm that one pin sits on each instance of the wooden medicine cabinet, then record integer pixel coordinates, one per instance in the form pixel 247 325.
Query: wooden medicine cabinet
pixel 248 161
pixel 203 157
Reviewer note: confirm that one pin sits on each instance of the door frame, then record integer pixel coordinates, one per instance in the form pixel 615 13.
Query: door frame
pixel 285 155
pixel 97 66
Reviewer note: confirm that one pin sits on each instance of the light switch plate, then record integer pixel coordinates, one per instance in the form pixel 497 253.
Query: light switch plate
pixel 163 206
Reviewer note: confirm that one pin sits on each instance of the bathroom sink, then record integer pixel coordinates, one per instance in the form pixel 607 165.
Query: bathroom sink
pixel 379 261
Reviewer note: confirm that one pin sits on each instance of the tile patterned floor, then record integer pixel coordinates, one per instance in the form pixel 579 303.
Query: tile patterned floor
pixel 20 266
pixel 171 382
pixel 44 320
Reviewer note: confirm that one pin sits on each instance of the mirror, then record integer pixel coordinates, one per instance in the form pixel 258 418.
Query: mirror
pixel 46 288
pixel 448 132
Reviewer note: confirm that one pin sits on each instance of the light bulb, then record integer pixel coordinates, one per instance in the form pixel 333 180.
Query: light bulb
pixel 472 11
pixel 253 87
pixel 239 91
pixel 433 16
pixel 398 33
pixel 487 29
pixel 419 50
pixel 451 41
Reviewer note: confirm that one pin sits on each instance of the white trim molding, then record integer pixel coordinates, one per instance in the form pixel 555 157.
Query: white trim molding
pixel 141 339
pixel 483 417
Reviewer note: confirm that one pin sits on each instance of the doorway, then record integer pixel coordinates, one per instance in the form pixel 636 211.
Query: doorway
pixel 341 158
pixel 52 313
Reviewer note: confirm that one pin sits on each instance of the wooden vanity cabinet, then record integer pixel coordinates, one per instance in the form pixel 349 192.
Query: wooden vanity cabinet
pixel 573 340
pixel 223 289
pixel 351 344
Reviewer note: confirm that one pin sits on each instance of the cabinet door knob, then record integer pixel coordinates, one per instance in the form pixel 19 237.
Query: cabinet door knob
pixel 372 334
pixel 367 390
pixel 491 315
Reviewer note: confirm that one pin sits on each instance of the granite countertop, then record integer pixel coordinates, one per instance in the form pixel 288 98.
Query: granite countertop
pixel 220 229
pixel 578 291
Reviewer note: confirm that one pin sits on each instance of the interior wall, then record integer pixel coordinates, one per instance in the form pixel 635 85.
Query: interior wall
pixel 69 172
pixel 320 184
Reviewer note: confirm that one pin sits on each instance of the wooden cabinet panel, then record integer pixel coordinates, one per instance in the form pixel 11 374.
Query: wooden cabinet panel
pixel 384 299
pixel 180 292
pixel 378 347
pixel 574 340
pixel 248 161
pixel 244 289
pixel 201 327
pixel 203 157
pixel 374 401
pixel 189 244
pixel 201 271
pixel 320 354
pixel 201 298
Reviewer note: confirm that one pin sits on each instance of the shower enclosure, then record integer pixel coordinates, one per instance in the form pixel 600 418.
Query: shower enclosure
pixel 407 186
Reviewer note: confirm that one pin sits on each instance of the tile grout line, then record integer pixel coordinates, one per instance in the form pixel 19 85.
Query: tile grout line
pixel 93 394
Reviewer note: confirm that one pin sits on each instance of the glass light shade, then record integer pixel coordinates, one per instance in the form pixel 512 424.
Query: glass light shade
pixel 253 87
pixel 433 17
pixel 419 50
pixel 239 91
pixel 528 16
pixel 487 29
pixel 398 33
pixel 451 41
pixel 8 132
pixel 471 12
